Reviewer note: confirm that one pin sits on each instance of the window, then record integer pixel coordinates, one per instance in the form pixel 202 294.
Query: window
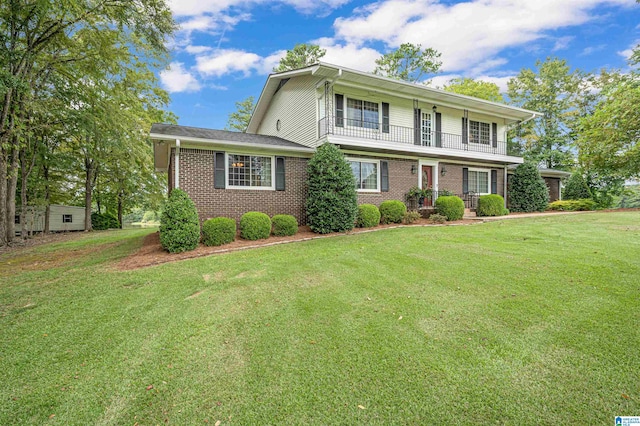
pixel 16 219
pixel 362 114
pixel 479 132
pixel 249 171
pixel 426 129
pixel 67 218
pixel 366 174
pixel 479 181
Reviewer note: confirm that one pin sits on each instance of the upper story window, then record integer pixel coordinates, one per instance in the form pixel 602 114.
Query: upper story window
pixel 250 171
pixel 479 132
pixel 362 114
pixel 426 128
pixel 366 174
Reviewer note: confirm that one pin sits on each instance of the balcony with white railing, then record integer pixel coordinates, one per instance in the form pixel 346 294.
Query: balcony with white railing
pixel 375 131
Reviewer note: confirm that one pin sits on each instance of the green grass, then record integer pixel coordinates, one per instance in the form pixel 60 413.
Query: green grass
pixel 526 321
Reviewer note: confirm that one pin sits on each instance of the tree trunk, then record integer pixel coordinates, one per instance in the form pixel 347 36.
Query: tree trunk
pixel 12 185
pixel 47 198
pixel 88 190
pixel 3 197
pixel 24 174
pixel 120 210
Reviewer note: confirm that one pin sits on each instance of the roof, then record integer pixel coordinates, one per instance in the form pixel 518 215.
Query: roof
pixel 387 85
pixel 173 131
pixel 544 172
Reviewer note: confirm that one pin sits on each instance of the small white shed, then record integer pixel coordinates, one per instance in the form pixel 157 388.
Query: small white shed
pixel 61 218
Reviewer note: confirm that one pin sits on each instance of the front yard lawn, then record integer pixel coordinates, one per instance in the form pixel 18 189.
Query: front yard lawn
pixel 526 321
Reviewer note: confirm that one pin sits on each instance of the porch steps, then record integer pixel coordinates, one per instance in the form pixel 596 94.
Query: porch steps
pixel 469 214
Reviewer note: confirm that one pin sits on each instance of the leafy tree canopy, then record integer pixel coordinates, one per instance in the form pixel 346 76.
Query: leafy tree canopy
pixel 239 119
pixel 302 55
pixel 409 62
pixel 476 88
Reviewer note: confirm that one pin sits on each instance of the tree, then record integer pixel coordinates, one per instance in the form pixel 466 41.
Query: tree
pixel 409 62
pixel 239 120
pixel 302 55
pixel 527 190
pixel 576 187
pixel 476 88
pixel 551 90
pixel 332 202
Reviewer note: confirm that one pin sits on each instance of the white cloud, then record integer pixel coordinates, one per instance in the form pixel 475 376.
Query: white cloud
pixel 197 50
pixel 562 43
pixel 199 7
pixel 348 55
pixel 501 82
pixel 626 54
pixel 178 79
pixel 228 61
pixel 465 33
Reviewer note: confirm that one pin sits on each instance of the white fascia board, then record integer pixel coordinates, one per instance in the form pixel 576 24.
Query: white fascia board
pixel 202 142
pixel 433 152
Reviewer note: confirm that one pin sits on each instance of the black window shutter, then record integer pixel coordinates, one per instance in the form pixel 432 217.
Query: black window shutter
pixel 465 180
pixel 494 181
pixel 438 129
pixel 385 117
pixel 219 173
pixel 465 133
pixel 280 183
pixel 494 133
pixel 417 114
pixel 384 176
pixel 339 110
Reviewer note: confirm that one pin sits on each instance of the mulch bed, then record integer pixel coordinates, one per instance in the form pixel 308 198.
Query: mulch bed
pixel 151 252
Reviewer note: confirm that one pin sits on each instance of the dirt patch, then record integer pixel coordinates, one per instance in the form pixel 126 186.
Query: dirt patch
pixel 151 252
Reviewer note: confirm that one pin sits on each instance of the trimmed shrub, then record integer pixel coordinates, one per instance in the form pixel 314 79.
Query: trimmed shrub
pixel 332 202
pixel 218 231
pixel 392 211
pixel 368 216
pixel 411 216
pixel 437 218
pixel 179 225
pixel 576 188
pixel 450 206
pixel 490 205
pixel 255 226
pixel 102 221
pixel 573 205
pixel 505 212
pixel 284 225
pixel 527 190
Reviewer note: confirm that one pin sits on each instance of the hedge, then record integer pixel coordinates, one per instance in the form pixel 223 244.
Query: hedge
pixel 450 206
pixel 218 231
pixel 368 216
pixel 392 211
pixel 573 205
pixel 490 205
pixel 179 224
pixel 284 225
pixel 255 226
pixel 102 221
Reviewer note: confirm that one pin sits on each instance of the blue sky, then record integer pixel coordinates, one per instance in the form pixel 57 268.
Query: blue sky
pixel 225 49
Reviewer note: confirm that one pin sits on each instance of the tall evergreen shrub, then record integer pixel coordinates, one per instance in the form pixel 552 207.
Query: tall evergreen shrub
pixel 332 199
pixel 527 190
pixel 179 225
pixel 576 187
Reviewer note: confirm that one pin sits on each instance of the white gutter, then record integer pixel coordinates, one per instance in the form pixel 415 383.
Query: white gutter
pixel 506 168
pixel 176 171
pixel 203 141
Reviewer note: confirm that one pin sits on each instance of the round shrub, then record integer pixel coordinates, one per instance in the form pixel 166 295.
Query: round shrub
pixel 179 225
pixel 284 225
pixel 527 190
pixel 332 202
pixel 368 216
pixel 255 226
pixel 490 205
pixel 392 211
pixel 450 206
pixel 218 231
pixel 102 221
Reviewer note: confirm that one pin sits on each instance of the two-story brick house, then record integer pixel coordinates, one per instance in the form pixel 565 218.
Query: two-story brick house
pixel 395 134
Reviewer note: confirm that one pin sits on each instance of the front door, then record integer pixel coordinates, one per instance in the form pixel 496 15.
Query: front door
pixel 427 183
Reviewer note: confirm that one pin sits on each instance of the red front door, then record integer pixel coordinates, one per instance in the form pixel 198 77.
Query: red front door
pixel 427 183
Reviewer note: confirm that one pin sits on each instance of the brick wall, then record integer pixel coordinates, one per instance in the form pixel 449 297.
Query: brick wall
pixel 554 188
pixel 452 181
pixel 197 179
pixel 400 181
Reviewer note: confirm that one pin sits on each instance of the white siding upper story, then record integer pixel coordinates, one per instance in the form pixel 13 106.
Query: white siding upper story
pixel 301 106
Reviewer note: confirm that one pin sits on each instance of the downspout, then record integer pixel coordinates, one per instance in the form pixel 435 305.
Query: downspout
pixel 177 166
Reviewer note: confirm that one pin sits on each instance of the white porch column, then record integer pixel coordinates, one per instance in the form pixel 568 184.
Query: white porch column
pixel 177 165
pixel 505 186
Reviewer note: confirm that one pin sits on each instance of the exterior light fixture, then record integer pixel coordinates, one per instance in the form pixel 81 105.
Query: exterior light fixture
pixel 443 171
pixel 435 108
pixel 414 169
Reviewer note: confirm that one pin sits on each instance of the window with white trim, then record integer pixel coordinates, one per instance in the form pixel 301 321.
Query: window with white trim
pixel 479 181
pixel 249 171
pixel 366 174
pixel 479 132
pixel 426 128
pixel 363 114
